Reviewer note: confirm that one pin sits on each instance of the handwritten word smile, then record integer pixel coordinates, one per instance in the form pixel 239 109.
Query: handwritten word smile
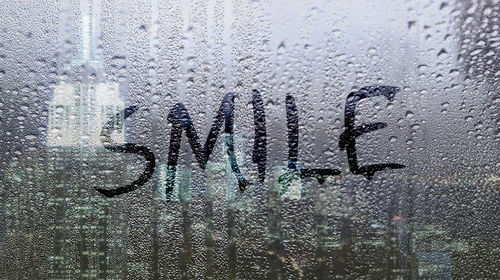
pixel 181 121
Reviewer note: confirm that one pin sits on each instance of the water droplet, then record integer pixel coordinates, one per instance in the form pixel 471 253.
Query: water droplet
pixel 442 54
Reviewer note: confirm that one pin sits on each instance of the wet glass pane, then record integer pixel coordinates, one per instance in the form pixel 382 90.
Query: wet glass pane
pixel 249 139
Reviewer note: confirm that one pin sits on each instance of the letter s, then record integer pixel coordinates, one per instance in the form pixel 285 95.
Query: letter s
pixel 128 148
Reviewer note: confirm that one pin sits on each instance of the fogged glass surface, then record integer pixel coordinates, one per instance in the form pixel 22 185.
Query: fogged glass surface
pixel 249 139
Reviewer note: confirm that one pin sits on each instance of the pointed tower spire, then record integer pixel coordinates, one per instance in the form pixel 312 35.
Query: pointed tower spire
pixel 84 103
pixel 85 37
pixel 90 52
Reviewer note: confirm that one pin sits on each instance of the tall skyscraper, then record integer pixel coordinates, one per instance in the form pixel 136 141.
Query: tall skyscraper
pixel 84 101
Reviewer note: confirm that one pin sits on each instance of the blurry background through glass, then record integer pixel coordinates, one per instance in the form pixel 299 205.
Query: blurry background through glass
pixel 70 68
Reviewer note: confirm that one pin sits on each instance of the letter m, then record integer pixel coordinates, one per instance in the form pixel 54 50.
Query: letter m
pixel 180 120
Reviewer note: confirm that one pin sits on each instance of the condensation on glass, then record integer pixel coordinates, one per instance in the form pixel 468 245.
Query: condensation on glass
pixel 249 139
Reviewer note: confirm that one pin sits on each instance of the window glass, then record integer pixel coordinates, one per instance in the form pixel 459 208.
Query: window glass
pixel 216 139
